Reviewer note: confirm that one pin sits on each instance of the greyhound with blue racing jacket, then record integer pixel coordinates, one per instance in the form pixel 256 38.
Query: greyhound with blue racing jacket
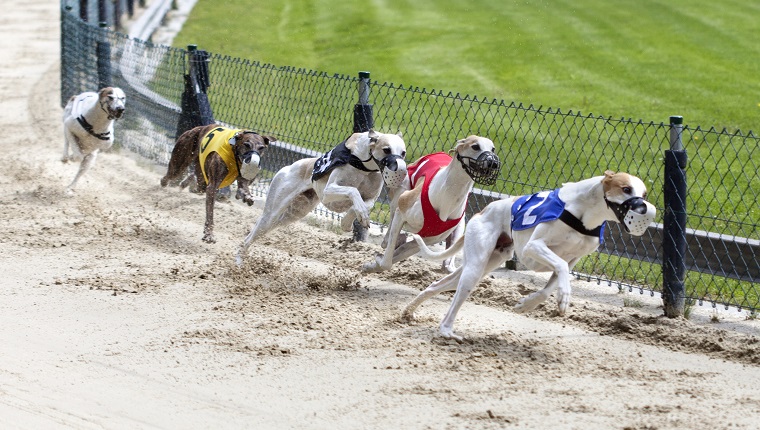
pixel 550 231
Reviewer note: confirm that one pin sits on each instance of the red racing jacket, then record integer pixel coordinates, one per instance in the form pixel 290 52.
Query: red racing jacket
pixel 428 166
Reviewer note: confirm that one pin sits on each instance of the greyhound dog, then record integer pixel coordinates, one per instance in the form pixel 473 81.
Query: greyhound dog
pixel 88 120
pixel 219 156
pixel 550 231
pixel 434 198
pixel 347 179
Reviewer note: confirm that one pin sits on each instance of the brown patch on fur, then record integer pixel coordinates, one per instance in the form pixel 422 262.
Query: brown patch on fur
pixel 613 183
pixel 407 199
pixel 503 241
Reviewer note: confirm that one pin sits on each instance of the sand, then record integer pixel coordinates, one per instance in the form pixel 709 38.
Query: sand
pixel 114 314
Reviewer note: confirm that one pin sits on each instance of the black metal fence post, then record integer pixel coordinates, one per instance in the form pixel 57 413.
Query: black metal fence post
pixel 674 223
pixel 103 50
pixel 363 121
pixel 83 10
pixel 117 15
pixel 196 109
pixel 102 11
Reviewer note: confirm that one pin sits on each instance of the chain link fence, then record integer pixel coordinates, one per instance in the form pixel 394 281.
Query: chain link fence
pixel 309 112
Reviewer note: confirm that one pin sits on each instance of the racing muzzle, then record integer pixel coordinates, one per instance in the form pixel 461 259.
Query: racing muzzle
pixel 484 170
pixel 635 214
pixel 249 165
pixel 393 168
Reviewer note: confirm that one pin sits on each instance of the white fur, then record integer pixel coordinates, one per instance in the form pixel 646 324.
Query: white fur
pixel 448 194
pixel 100 110
pixel 346 189
pixel 549 247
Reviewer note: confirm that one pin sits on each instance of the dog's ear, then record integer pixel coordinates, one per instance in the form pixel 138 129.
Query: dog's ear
pixel 399 135
pixel 234 139
pixel 373 135
pixel 607 180
pixel 269 139
pixel 104 91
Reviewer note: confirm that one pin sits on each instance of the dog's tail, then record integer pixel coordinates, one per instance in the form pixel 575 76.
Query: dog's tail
pixel 428 253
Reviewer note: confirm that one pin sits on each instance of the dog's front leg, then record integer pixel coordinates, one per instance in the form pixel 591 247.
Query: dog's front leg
pixel 449 264
pixel 87 162
pixel 560 279
pixel 385 261
pixel 216 170
pixel 208 228
pixel 337 193
pixel 244 191
pixel 68 140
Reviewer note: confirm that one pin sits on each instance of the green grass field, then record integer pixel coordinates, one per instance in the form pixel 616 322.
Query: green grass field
pixel 645 59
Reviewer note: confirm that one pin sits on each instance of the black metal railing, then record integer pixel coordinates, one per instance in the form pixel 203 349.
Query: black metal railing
pixel 311 111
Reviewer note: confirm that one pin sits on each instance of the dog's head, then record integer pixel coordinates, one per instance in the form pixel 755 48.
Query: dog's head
pixel 389 151
pixel 249 146
pixel 479 159
pixel 625 196
pixel 113 101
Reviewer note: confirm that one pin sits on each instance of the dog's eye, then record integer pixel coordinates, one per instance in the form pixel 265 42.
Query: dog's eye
pixel 627 190
pixel 403 154
pixel 386 151
pixel 476 147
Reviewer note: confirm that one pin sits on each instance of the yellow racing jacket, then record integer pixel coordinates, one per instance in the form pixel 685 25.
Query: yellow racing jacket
pixel 218 140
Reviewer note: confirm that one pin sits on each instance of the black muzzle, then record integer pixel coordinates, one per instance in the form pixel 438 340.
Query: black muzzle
pixel 483 170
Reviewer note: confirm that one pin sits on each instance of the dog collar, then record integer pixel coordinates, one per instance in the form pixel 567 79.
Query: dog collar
pixel 359 163
pixel 578 226
pixel 88 128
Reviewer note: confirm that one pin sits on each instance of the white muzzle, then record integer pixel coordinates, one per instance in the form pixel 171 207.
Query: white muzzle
pixel 394 178
pixel 249 167
pixel 636 220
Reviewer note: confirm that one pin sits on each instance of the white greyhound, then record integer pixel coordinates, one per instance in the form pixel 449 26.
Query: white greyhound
pixel 550 231
pixel 348 179
pixel 88 120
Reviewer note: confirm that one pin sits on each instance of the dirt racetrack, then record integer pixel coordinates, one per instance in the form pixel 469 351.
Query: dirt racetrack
pixel 114 314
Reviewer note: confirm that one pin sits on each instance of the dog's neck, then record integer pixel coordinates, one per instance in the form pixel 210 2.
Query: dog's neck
pixel 96 116
pixel 449 189
pixel 362 151
pixel 585 200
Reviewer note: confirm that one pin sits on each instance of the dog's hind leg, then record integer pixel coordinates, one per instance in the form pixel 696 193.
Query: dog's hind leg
pixel 87 162
pixel 280 208
pixel 471 274
pixel 68 141
pixel 447 283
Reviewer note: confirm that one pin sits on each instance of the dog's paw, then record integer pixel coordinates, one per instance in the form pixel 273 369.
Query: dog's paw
pixel 65 160
pixel 209 238
pixel 524 305
pixel 371 267
pixel 450 335
pixel 407 317
pixel 164 181
pixel 347 222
